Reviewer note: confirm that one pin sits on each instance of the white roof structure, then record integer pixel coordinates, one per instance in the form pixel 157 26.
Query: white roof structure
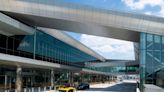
pixel 83 19
pixel 10 26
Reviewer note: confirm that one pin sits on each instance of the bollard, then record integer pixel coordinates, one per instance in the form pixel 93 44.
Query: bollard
pixel 50 88
pixel 25 90
pixel 38 89
pixel 7 91
pixel 28 90
pixel 44 89
pixel 32 89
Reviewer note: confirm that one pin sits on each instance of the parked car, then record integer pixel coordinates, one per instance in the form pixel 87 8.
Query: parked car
pixel 83 86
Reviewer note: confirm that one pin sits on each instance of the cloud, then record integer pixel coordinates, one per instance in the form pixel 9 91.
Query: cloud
pixel 141 4
pixel 148 13
pixel 162 10
pixel 108 47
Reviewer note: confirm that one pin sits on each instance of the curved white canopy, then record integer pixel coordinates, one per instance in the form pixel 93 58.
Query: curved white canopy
pixel 83 19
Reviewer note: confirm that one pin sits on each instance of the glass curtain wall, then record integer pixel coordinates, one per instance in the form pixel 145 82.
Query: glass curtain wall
pixel 108 69
pixel 115 69
pixel 42 46
pixel 151 59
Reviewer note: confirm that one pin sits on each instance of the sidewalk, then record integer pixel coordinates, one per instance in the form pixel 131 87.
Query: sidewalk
pixel 103 85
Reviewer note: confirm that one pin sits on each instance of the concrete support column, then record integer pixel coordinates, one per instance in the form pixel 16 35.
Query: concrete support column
pixel 112 78
pixel 5 82
pixel 100 78
pixel 71 78
pixel 45 81
pixel 18 79
pixel 107 78
pixel 52 77
pixel 91 78
pixel 32 79
pixel 82 77
pixel 10 82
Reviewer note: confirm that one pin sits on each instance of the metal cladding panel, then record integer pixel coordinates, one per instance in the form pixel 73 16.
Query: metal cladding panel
pixel 104 20
pixel 80 13
pixel 85 14
pixel 10 26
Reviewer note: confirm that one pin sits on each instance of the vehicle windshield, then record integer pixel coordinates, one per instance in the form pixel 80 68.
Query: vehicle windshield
pixel 61 91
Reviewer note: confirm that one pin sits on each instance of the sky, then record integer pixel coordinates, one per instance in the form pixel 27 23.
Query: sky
pixel 113 48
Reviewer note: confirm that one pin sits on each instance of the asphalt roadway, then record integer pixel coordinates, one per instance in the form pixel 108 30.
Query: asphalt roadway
pixel 114 87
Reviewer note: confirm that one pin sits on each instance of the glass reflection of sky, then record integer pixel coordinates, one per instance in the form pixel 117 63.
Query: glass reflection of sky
pixel 104 4
pixel 118 5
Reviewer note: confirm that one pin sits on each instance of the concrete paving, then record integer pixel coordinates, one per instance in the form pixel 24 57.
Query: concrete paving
pixel 125 86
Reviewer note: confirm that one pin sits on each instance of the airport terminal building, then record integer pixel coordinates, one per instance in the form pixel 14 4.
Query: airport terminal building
pixel 40 58
pixel 35 52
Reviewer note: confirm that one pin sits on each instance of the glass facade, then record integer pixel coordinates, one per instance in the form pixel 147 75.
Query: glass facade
pixel 39 46
pixel 152 59
pixel 42 46
pixel 116 69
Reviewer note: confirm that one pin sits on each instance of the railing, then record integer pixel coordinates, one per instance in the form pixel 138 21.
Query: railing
pixel 33 89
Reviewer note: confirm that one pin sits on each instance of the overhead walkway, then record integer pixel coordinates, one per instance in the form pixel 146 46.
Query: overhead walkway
pixel 109 63
pixel 115 67
pixel 83 19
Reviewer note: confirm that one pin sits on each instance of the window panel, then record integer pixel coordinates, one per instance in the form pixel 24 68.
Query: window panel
pixel 3 43
pixel 157 42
